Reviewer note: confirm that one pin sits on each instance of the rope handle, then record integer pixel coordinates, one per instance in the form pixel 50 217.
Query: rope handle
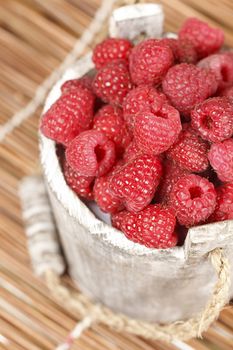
pixel 180 330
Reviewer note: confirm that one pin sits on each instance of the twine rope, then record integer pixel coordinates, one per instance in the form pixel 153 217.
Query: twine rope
pixel 180 330
pixel 87 38
pixel 75 333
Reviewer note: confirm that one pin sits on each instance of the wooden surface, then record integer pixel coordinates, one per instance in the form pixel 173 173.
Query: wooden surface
pixel 35 36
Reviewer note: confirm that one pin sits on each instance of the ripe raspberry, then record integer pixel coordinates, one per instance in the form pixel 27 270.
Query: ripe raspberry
pixel 222 66
pixel 112 82
pixel 221 159
pixel 172 44
pixel 111 49
pixel 186 85
pixel 91 153
pixel 186 52
pixel 135 182
pixel 81 185
pixel 224 207
pixel 149 62
pixel 140 98
pixel 190 151
pixel 204 38
pixel 131 152
pixel 155 132
pixel 104 198
pixel 194 198
pixel 68 116
pixel 153 227
pixel 228 92
pixel 109 120
pixel 171 174
pixel 84 83
pixel 213 119
pixel 183 51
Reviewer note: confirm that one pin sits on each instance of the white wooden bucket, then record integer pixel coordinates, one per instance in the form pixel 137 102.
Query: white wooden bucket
pixel 154 285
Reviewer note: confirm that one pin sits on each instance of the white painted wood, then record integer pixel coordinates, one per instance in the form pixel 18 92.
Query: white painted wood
pixel 132 20
pixel 42 239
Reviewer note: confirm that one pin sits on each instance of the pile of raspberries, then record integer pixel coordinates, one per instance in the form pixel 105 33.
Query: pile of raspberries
pixel 149 135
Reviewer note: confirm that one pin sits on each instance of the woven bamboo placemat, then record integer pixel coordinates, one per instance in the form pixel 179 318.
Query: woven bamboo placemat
pixel 35 36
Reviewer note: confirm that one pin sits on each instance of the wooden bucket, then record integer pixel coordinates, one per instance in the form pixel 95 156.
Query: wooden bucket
pixel 150 284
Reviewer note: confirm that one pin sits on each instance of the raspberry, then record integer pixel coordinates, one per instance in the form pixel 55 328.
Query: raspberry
pixel 104 198
pixel 213 119
pixel 171 174
pixel 68 116
pixel 91 153
pixel 228 92
pixel 194 198
pixel 112 82
pixel 186 52
pixel 221 159
pixel 111 49
pixel 81 185
pixel 149 62
pixel 190 151
pixel 109 120
pixel 186 85
pixel 183 51
pixel 136 182
pixel 153 227
pixel 84 83
pixel 155 132
pixel 204 38
pixel 131 152
pixel 172 44
pixel 224 207
pixel 140 98
pixel 222 66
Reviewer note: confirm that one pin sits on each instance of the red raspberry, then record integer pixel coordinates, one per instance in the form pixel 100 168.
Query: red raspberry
pixel 204 38
pixel 224 207
pixel 194 198
pixel 153 227
pixel 183 51
pixel 68 116
pixel 221 159
pixel 213 119
pixel 140 98
pixel 149 62
pixel 186 52
pixel 186 85
pixel 84 83
pixel 109 120
pixel 190 151
pixel 228 92
pixel 112 82
pixel 136 182
pixel 91 153
pixel 104 198
pixel 172 43
pixel 171 174
pixel 81 185
pixel 222 66
pixel 155 132
pixel 131 152
pixel 111 49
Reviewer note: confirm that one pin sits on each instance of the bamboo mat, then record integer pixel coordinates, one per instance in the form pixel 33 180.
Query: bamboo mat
pixel 35 36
